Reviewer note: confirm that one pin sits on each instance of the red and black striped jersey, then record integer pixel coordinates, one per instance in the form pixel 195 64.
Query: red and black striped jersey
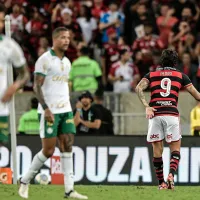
pixel 165 84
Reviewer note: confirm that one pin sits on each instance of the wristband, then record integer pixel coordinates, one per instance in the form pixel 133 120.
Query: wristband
pixel 78 109
pixel 44 106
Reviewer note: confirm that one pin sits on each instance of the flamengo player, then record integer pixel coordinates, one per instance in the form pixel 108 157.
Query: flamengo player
pixel 56 117
pixel 10 53
pixel 165 84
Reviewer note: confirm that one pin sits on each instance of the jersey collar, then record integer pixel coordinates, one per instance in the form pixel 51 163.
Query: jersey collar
pixel 54 54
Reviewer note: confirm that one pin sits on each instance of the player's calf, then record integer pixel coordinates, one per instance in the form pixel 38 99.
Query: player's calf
pixel 174 161
pixel 158 166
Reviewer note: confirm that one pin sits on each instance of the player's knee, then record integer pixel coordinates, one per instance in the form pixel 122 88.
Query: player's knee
pixel 48 152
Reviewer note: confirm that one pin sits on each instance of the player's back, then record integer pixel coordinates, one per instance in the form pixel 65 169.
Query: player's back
pixel 165 84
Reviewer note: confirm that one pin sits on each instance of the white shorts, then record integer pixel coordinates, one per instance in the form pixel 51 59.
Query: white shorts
pixel 161 127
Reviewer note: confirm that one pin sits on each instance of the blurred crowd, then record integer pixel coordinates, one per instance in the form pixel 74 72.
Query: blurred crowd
pixel 118 41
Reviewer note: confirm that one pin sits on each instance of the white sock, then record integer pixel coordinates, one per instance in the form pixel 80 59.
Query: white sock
pixel 67 168
pixel 36 164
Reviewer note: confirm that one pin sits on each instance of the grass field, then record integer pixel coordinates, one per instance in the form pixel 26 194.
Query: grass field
pixel 9 192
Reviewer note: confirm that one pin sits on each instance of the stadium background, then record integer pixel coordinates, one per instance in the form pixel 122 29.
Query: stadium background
pixel 32 30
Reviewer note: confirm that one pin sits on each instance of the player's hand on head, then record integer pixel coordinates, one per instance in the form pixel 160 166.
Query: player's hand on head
pixel 150 112
pixel 49 117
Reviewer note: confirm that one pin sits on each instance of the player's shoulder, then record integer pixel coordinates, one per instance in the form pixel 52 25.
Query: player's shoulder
pixel 66 60
pixel 44 57
pixel 10 42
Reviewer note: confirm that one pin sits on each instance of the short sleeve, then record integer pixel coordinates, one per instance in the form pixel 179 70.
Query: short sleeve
pixel 186 81
pixel 41 66
pixel 17 56
pixel 97 69
pixel 147 77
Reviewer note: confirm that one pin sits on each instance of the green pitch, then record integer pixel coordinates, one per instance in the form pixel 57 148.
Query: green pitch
pixel 9 192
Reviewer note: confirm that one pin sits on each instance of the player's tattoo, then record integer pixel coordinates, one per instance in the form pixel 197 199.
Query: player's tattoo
pixel 142 85
pixel 38 82
pixel 22 75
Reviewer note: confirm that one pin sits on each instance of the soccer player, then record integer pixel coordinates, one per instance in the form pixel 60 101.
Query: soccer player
pixel 10 53
pixel 56 116
pixel 165 84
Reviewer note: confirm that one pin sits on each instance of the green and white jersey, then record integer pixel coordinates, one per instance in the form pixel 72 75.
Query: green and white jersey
pixel 10 53
pixel 55 88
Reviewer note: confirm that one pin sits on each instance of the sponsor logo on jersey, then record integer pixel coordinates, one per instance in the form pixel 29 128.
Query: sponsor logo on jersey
pixel 49 124
pixel 59 79
pixel 68 121
pixel 3 125
pixel 164 103
pixel 154 136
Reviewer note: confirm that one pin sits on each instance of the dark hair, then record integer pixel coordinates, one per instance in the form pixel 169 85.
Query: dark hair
pixel 113 2
pixel 2 8
pixel 169 58
pixel 122 52
pixel 99 94
pixel 86 94
pixel 34 103
pixel 88 14
pixel 84 50
pixel 58 30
